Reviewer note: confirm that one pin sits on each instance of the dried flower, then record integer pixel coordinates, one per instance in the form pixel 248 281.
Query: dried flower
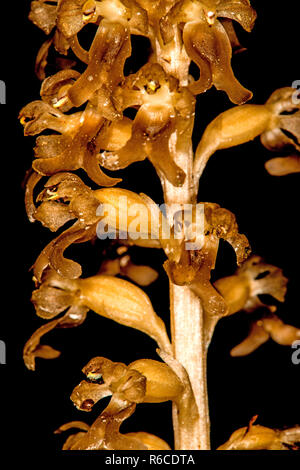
pixel 256 437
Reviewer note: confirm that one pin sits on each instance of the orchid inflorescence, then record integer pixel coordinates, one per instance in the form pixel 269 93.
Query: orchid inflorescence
pixel 81 123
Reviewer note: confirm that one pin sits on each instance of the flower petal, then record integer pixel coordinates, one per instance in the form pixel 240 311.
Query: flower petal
pixel 109 50
pixel 43 15
pixel 282 166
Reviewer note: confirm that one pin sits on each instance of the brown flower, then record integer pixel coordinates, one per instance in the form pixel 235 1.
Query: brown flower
pixel 163 109
pixel 195 266
pixel 74 148
pixel 254 278
pixel 142 381
pixel 256 437
pixel 207 42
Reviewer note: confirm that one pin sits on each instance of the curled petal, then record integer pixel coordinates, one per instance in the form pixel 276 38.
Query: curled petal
pixel 70 18
pixel 32 349
pixel 234 41
pixel 52 255
pixel 50 301
pixel 240 11
pixel 47 146
pixel 72 425
pixel 42 59
pixel 282 166
pixel 53 215
pixel 91 166
pixel 261 330
pixel 223 225
pixel 193 45
pixel 257 336
pixel 80 53
pixel 138 22
pixel 38 116
pixel 109 50
pixel 54 89
pixel 63 266
pixel 282 100
pixel 104 433
pixel 31 183
pixel 276 140
pixel 212 45
pixel 114 135
pixel 43 15
pixel 60 43
pixel 133 151
pixel 281 333
pixel 161 158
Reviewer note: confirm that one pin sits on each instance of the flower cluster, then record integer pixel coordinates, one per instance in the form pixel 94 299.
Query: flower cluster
pixel 81 123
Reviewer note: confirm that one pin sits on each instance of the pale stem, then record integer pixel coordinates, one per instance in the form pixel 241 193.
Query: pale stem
pixel 187 321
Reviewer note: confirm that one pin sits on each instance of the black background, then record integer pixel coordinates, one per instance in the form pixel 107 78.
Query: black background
pixel 266 383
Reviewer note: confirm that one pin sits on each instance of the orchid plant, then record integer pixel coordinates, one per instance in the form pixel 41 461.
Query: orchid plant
pixel 99 120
